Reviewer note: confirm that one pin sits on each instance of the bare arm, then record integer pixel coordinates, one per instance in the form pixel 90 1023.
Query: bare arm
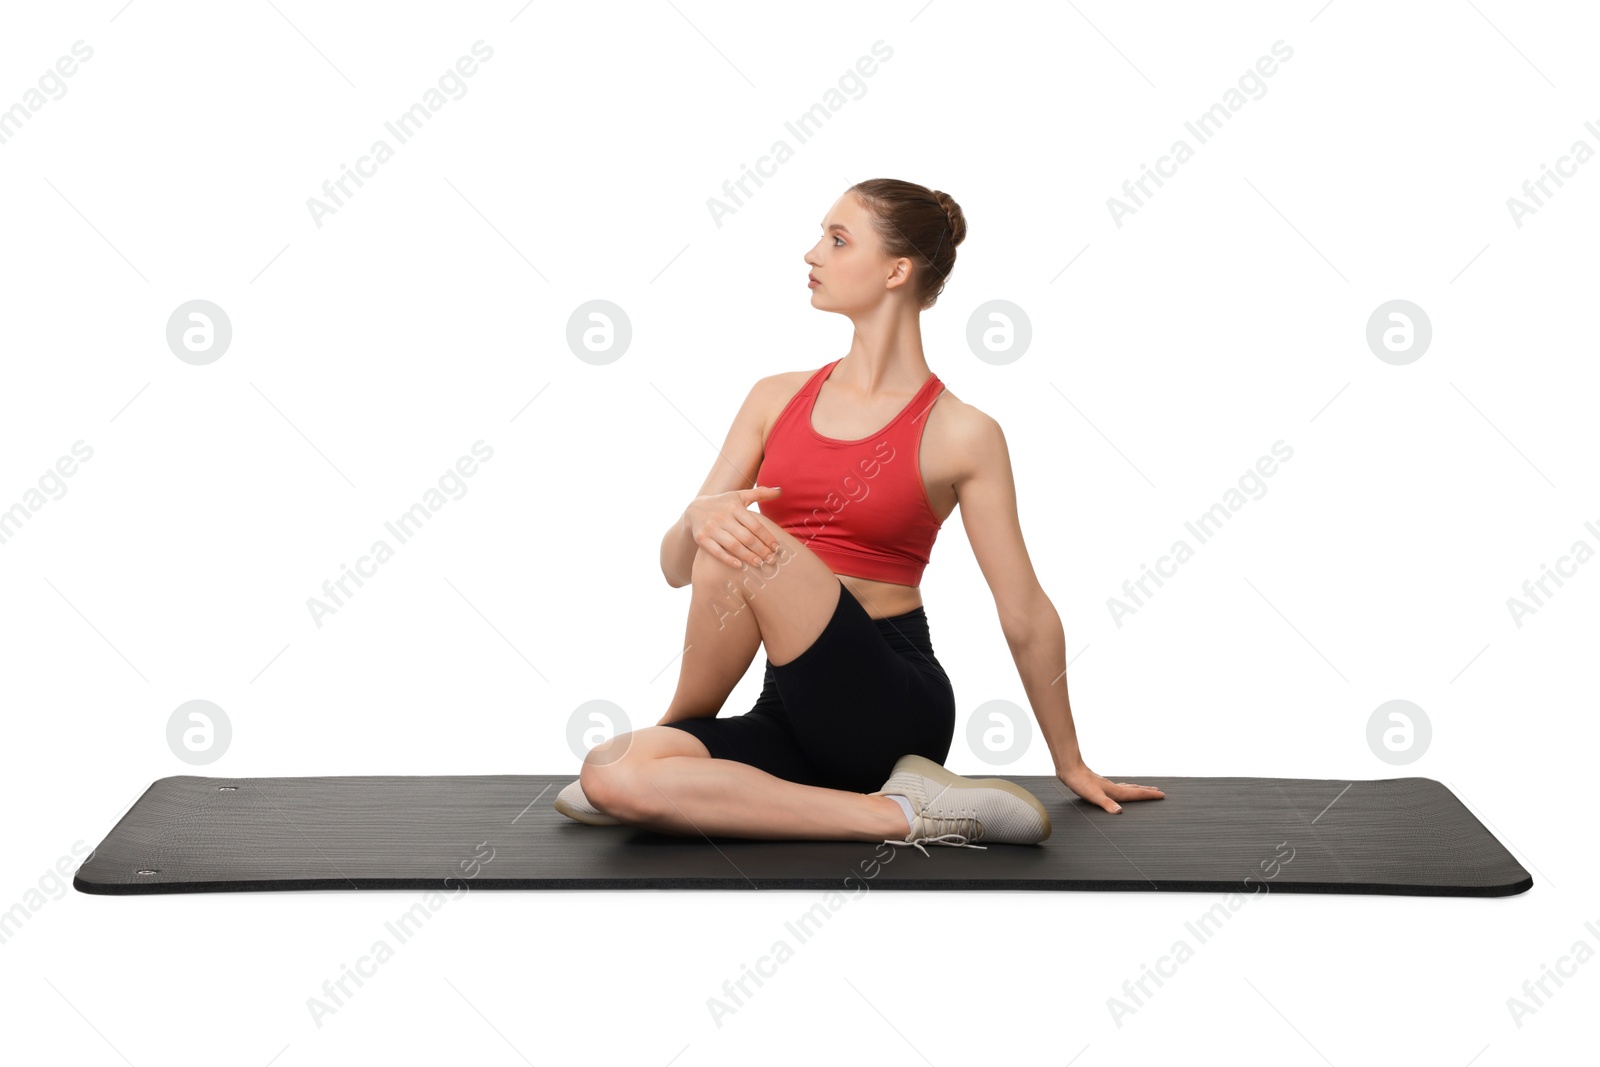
pixel 734 468
pixel 988 501
pixel 987 495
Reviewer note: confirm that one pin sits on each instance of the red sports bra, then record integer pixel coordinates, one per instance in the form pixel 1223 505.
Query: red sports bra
pixel 859 505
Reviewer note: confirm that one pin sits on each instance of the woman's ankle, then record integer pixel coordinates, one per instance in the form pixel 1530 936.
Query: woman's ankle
pixel 892 820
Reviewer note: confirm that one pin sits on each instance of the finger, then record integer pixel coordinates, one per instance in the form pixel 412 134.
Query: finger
pixel 759 492
pixel 1105 802
pixel 740 554
pixel 767 538
pixel 749 547
pixel 713 546
pixel 1134 791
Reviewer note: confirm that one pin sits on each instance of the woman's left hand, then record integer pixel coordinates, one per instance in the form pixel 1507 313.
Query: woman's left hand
pixel 1097 789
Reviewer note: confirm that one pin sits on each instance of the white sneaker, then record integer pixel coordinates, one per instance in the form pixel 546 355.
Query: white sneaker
pixel 574 805
pixel 948 809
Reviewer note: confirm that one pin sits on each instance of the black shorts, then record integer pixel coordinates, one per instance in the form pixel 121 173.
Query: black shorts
pixel 864 693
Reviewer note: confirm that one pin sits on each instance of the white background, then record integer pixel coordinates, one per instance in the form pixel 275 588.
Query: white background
pixel 1168 354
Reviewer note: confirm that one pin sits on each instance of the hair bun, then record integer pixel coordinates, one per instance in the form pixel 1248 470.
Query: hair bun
pixel 952 211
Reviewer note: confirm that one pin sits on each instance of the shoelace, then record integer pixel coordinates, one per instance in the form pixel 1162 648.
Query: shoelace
pixel 957 830
pixel 959 839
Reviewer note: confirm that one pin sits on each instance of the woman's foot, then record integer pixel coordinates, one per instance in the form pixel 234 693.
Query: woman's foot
pixel 948 809
pixel 574 805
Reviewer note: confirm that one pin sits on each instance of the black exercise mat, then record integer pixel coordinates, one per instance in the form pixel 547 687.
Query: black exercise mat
pixel 1289 835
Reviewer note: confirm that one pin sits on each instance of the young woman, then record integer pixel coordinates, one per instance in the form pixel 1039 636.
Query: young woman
pixel 854 467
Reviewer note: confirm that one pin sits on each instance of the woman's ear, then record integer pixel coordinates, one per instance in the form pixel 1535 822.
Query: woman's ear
pixel 900 273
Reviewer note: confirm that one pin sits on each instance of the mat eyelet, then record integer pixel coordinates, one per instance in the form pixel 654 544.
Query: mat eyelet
pixel 148 872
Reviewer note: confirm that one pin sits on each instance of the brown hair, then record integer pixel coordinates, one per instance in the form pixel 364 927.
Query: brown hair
pixel 921 224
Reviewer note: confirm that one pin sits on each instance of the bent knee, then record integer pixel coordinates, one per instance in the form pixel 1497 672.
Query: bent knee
pixel 612 781
pixel 598 773
pixel 787 550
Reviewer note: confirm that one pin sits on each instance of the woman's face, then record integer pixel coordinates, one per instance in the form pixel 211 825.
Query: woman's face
pixel 848 261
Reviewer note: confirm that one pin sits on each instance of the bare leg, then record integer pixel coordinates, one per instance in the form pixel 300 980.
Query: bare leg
pixel 718 645
pixel 666 780
pixel 733 611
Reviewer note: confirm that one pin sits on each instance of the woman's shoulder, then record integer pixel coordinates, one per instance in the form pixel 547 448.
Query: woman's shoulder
pixel 774 391
pixel 786 381
pixel 772 394
pixel 961 438
pixel 961 421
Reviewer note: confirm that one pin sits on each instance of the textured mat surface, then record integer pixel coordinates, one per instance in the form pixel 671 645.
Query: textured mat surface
pixel 457 832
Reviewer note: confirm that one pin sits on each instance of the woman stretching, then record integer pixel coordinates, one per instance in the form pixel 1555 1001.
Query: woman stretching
pixel 854 467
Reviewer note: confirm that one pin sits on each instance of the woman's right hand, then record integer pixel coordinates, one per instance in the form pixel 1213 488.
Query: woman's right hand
pixel 723 525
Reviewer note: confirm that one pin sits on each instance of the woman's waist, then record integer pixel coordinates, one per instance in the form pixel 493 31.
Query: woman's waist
pixel 884 600
pixel 908 635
